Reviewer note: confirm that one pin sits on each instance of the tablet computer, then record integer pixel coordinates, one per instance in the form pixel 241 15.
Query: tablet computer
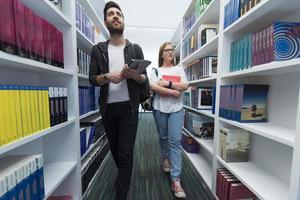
pixel 139 64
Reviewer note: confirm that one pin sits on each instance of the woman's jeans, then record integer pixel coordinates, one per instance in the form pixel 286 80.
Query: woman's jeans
pixel 169 128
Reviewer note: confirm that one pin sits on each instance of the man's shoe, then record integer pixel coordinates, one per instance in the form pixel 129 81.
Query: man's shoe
pixel 177 189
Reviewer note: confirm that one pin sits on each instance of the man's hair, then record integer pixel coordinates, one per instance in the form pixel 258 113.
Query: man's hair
pixel 111 4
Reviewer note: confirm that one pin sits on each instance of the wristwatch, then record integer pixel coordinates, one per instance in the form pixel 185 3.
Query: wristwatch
pixel 105 77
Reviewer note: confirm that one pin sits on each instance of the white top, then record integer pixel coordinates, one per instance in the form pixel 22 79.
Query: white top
pixel 117 92
pixel 167 104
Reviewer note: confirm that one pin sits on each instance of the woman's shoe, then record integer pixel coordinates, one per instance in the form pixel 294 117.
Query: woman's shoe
pixel 177 189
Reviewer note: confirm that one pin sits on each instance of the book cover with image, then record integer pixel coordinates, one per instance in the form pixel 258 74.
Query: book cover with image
pixel 254 103
pixel 234 144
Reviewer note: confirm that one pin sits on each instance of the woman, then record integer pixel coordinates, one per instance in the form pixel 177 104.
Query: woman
pixel 168 113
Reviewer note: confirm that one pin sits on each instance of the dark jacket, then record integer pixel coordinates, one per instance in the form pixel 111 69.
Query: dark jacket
pixel 99 65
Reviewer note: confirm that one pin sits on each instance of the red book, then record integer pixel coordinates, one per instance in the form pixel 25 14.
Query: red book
pixel 240 191
pixel 220 171
pixel 31 33
pixel 228 182
pixel 7 24
pixel 39 39
pixel 47 31
pixel 171 78
pixel 54 42
pixel 20 26
pixel 223 184
pixel 61 49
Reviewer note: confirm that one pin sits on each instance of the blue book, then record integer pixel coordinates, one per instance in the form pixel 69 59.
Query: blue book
pixel 3 189
pixel 40 177
pixel 214 100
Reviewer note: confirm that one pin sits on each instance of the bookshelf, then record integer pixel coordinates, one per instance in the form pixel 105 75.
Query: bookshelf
pixel 275 144
pixel 59 144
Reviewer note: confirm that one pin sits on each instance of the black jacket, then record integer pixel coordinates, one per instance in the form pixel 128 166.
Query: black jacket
pixel 99 65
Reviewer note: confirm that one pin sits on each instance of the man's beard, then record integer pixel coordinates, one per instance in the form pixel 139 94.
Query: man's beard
pixel 115 31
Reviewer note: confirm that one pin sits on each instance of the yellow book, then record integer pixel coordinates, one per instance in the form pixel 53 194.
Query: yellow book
pixel 2 124
pixel 41 110
pixel 23 111
pixel 46 107
pixel 12 114
pixel 32 109
pixel 6 117
pixel 18 112
pixel 36 108
pixel 28 110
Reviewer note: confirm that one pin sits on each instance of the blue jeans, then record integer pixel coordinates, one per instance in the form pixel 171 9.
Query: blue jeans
pixel 169 128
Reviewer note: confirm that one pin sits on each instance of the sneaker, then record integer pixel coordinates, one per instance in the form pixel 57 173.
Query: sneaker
pixel 166 166
pixel 177 189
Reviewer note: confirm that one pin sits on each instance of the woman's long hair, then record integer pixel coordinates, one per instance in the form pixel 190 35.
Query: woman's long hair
pixel 161 50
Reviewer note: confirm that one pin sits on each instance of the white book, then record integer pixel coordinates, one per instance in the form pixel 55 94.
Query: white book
pixel 209 31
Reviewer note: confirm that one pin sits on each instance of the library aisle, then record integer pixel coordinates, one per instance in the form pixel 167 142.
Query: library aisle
pixel 149 182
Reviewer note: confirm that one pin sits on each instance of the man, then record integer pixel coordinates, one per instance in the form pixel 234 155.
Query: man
pixel 120 93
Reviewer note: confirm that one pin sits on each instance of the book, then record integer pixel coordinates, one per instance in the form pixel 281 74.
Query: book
pixel 39 39
pixel 47 31
pixel 20 26
pixel 201 126
pixel 189 144
pixel 234 144
pixel 286 40
pixel 30 32
pixel 207 32
pixel 7 24
pixel 240 191
pixel 204 98
pixel 171 78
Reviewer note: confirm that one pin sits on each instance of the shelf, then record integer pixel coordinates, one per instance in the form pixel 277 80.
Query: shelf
pixel 177 49
pixel 202 166
pixel 274 132
pixel 83 77
pixel 206 144
pixel 177 34
pixel 87 6
pixel 256 179
pixel 92 147
pixel 265 13
pixel 211 15
pixel 212 79
pixel 207 50
pixel 55 174
pixel 86 161
pixel 48 11
pixel 35 136
pixel 276 67
pixel 83 42
pixel 96 174
pixel 88 114
pixel 203 112
pixel 9 61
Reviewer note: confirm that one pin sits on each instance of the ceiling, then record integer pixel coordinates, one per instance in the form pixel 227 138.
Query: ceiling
pixel 149 22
